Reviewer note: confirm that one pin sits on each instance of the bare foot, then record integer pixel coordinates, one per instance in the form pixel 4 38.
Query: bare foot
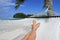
pixel 35 25
pixel 32 34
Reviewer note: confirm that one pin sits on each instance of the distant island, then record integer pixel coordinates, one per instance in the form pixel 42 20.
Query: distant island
pixel 22 15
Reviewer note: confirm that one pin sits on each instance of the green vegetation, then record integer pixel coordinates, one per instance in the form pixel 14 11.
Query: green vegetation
pixel 21 15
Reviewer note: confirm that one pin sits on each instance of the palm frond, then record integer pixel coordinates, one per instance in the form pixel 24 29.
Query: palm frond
pixel 45 3
pixel 18 3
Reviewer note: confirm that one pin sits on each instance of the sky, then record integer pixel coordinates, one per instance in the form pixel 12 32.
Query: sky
pixel 7 8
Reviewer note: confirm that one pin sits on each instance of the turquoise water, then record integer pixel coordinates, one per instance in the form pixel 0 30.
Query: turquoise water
pixel 13 19
pixel 21 18
pixel 41 18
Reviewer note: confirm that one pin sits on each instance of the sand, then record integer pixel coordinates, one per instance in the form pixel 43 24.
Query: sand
pixel 17 29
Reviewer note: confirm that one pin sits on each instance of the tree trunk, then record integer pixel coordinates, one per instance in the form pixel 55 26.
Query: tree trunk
pixel 49 5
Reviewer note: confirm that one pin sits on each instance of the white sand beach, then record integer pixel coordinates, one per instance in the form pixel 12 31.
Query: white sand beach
pixel 17 29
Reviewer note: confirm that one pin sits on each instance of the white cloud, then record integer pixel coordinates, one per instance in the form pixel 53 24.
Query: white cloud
pixel 5 7
pixel 4 10
pixel 6 3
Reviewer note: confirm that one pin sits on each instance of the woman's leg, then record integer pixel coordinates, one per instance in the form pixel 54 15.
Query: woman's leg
pixel 32 34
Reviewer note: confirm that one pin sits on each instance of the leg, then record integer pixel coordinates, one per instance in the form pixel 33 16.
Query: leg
pixel 32 35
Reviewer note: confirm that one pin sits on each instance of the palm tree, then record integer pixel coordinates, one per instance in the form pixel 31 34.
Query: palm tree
pixel 18 3
pixel 48 4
